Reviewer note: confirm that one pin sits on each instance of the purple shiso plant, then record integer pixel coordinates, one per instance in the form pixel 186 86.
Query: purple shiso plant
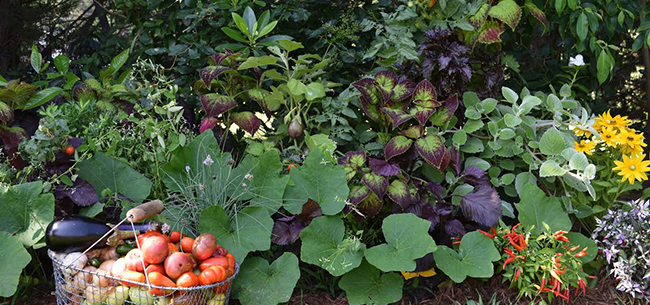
pixel 623 237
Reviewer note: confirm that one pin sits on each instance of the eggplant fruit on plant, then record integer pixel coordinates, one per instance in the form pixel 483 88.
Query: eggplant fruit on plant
pixel 296 130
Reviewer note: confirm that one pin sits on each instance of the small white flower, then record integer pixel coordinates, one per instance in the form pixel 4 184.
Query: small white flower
pixel 578 61
pixel 187 168
pixel 208 161
pixel 248 176
pixel 244 185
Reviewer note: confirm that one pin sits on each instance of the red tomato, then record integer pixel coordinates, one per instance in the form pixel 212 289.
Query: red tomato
pixel 134 277
pixel 231 263
pixel 186 244
pixel 204 246
pixel 69 150
pixel 187 279
pixel 173 248
pixel 212 275
pixel 214 261
pixel 157 279
pixel 291 166
pixel 175 237
pixel 155 268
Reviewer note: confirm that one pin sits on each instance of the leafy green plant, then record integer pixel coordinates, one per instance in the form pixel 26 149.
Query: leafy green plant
pixel 251 31
pixel 490 20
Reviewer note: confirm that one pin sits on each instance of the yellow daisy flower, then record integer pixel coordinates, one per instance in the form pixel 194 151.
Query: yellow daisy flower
pixel 585 147
pixel 632 168
pixel 579 131
pixel 622 121
pixel 630 151
pixel 606 120
pixel 632 139
pixel 609 136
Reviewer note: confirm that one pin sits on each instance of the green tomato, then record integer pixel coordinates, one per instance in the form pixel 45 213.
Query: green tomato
pixel 118 296
pixel 140 296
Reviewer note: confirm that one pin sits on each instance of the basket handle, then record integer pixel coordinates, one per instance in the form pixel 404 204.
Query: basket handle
pixel 145 210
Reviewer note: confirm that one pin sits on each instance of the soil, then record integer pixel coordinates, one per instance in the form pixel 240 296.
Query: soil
pixel 604 293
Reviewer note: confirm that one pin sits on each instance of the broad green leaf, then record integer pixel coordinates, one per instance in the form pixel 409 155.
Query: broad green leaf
pixel 473 145
pixel 508 11
pixel 314 91
pixel 262 175
pixel 62 63
pixel 15 259
pixel 511 120
pixel 579 161
pixel 105 172
pixel 473 125
pixel 603 66
pixel 36 59
pixel 552 142
pixel 488 105
pixel 529 102
pixel 319 180
pixel 42 97
pixel 249 231
pixel 366 285
pixel 234 34
pixel 268 28
pixel 550 168
pixel 470 99
pixel 253 62
pixel 241 24
pixel 510 95
pixel 459 138
pixel 536 208
pixel 290 45
pixel 296 87
pixel 522 180
pixel 582 26
pixel 251 20
pixel 26 212
pixel 259 283
pixel 93 210
pixel 407 239
pixel 119 60
pixel 474 258
pixel 324 245
pixel 560 5
pixel 432 149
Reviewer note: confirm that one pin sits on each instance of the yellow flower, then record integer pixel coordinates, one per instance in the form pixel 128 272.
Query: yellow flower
pixel 606 120
pixel 629 151
pixel 609 136
pixel 632 168
pixel 585 147
pixel 632 139
pixel 427 273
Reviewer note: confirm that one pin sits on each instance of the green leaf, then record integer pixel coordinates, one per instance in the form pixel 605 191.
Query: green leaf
pixel 536 208
pixel 234 34
pixel 119 60
pixel 474 258
pixel 250 19
pixel 26 212
pixel 407 239
pixel 263 176
pixel 578 161
pixel 93 210
pixel 470 99
pixel 105 172
pixel 473 145
pixel 522 180
pixel 253 62
pixel 603 66
pixel 508 11
pixel 529 102
pixel 582 26
pixel 552 142
pixel 42 97
pixel 510 95
pixel 290 45
pixel 472 125
pixel 268 28
pixel 459 138
pixel 259 283
pixel 511 120
pixel 241 24
pixel 319 180
pixel 366 285
pixel 314 91
pixel 62 63
pixel 296 87
pixel 560 5
pixel 36 59
pixel 488 105
pixel 324 245
pixel 551 169
pixel 15 260
pixel 249 231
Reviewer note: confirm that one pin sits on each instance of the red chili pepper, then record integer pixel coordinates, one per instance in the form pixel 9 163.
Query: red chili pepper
pixel 574 248
pixel 517 274
pixel 541 287
pixel 494 232
pixel 486 234
pixel 515 227
pixel 508 261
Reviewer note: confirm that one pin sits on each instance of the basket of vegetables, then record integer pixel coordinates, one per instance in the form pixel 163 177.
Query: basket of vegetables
pixel 140 268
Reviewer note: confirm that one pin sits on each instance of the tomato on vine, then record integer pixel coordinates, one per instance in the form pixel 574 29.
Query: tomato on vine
pixel 69 150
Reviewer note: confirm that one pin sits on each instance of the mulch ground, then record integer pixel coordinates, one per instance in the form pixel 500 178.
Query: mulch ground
pixel 604 293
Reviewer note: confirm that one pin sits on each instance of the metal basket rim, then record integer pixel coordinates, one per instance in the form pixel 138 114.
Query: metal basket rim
pixel 60 264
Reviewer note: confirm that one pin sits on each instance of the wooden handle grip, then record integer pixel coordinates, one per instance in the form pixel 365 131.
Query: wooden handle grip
pixel 145 210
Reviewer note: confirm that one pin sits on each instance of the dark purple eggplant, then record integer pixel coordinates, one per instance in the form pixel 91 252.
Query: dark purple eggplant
pixel 295 129
pixel 77 233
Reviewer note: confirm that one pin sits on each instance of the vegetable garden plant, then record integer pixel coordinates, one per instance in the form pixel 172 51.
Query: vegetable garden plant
pixel 378 151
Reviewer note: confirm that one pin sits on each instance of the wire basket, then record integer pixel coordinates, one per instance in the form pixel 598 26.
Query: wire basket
pixel 74 285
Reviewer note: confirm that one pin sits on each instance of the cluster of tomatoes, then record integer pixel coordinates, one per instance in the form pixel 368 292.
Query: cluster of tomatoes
pixel 175 261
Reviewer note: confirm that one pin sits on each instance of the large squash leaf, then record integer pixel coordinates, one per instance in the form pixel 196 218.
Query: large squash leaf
pixel 26 212
pixel 249 231
pixel 365 285
pixel 474 258
pixel 319 180
pixel 105 172
pixel 323 244
pixel 259 283
pixel 262 176
pixel 15 259
pixel 535 209
pixel 407 239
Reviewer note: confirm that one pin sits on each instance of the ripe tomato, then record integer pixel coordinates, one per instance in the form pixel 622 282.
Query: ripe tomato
pixel 231 263
pixel 157 279
pixel 212 275
pixel 187 279
pixel 291 166
pixel 172 248
pixel 133 276
pixel 69 150
pixel 214 261
pixel 155 268
pixel 204 246
pixel 186 244
pixel 175 237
